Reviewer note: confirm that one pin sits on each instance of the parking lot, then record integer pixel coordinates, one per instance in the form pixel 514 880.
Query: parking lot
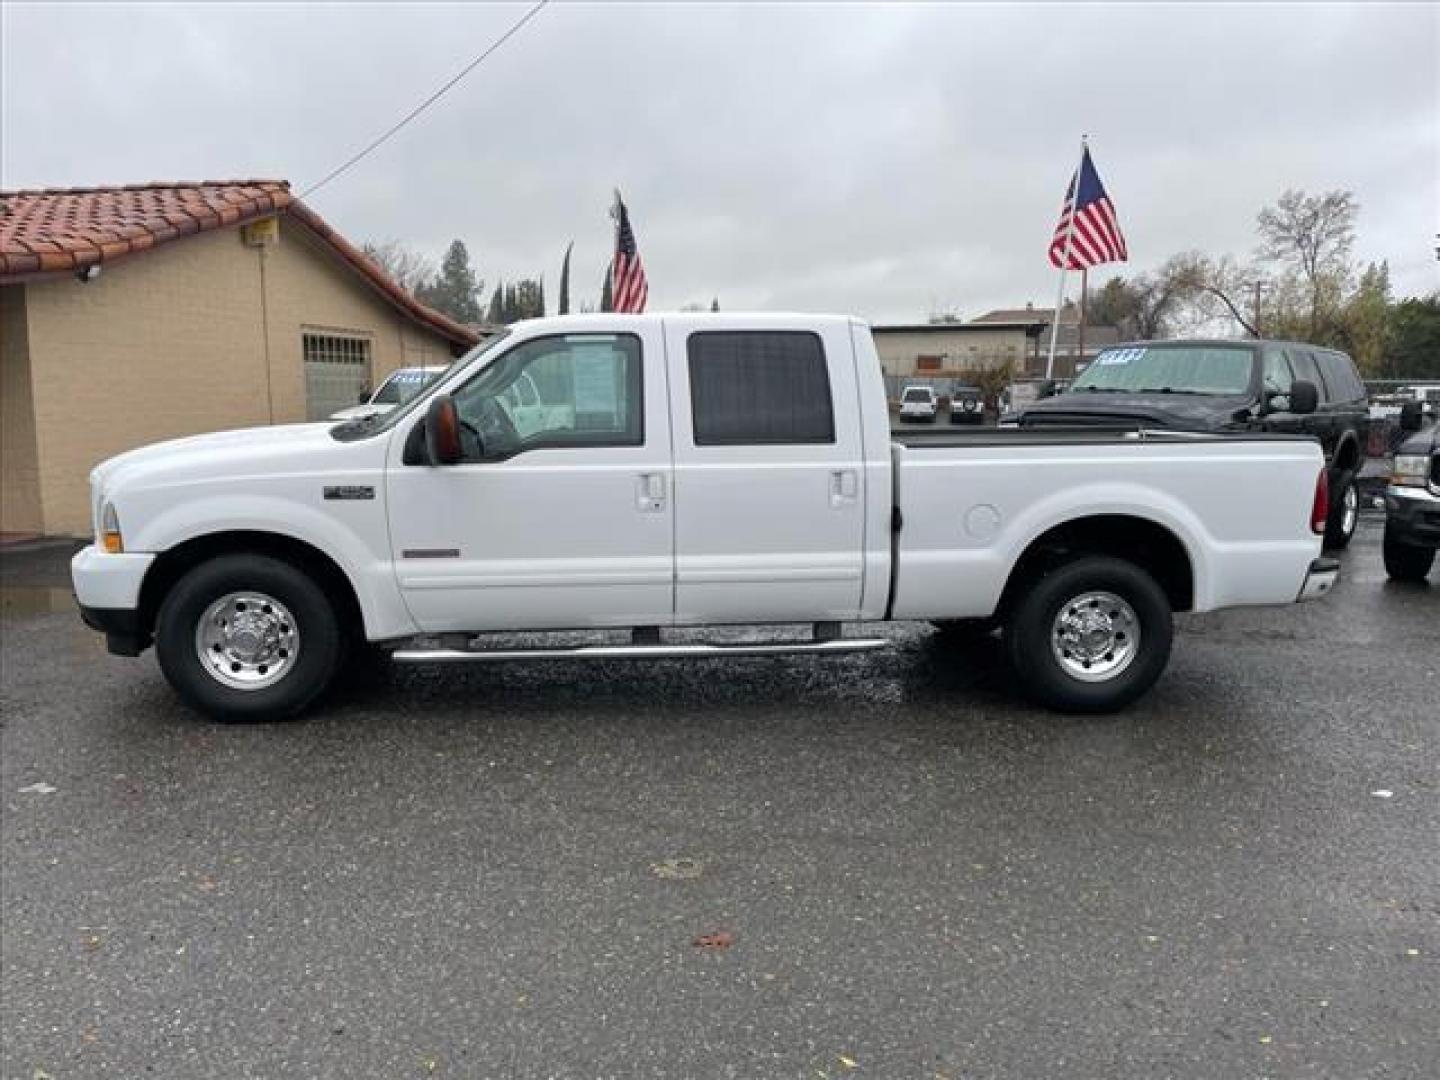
pixel 884 865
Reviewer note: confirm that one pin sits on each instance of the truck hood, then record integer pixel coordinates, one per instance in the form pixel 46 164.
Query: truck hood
pixel 1424 441
pixel 1185 412
pixel 221 453
pixel 359 412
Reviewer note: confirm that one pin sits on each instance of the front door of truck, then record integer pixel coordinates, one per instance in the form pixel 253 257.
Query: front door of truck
pixel 769 474
pixel 560 514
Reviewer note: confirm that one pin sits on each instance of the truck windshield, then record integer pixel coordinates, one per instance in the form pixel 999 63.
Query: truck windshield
pixel 1169 369
pixel 917 395
pixel 350 430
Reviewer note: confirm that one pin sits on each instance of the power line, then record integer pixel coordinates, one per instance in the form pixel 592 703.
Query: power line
pixel 413 113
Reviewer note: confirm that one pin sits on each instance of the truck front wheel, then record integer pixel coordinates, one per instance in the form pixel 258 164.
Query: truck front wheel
pixel 1090 636
pixel 248 637
pixel 1405 562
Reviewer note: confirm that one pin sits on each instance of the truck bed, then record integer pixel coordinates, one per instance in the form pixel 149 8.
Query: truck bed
pixel 936 438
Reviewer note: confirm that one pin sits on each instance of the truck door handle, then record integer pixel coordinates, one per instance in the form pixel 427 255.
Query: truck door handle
pixel 844 487
pixel 650 493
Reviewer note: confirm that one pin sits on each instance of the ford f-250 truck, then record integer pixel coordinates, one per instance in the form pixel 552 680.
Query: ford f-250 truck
pixel 685 471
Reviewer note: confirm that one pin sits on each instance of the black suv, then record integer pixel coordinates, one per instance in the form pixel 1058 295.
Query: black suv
pixel 1412 501
pixel 1282 386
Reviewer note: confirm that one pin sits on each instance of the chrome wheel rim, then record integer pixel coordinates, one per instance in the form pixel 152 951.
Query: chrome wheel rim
pixel 1351 511
pixel 247 640
pixel 1095 636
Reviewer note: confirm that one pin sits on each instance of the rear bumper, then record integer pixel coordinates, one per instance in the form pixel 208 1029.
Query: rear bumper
pixel 1319 579
pixel 107 588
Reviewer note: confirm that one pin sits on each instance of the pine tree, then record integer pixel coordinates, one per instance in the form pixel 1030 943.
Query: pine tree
pixel 565 281
pixel 455 292
pixel 715 303
pixel 496 315
pixel 607 301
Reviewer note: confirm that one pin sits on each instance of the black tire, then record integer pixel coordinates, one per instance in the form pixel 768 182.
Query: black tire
pixel 320 641
pixel 1406 562
pixel 1344 513
pixel 1032 624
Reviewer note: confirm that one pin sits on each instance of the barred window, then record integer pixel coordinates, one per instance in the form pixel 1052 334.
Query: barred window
pixel 337 372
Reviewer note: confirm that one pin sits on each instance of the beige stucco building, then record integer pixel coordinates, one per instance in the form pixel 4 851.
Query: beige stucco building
pixel 954 350
pixel 205 307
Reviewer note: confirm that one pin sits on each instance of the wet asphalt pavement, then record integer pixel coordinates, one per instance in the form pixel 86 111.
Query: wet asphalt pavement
pixel 503 871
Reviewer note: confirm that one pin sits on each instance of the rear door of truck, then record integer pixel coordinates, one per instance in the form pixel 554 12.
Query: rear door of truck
pixel 769 471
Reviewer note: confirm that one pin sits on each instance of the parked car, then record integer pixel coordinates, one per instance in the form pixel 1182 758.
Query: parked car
pixel 919 404
pixel 693 471
pixel 399 387
pixel 1412 499
pixel 1226 386
pixel 967 405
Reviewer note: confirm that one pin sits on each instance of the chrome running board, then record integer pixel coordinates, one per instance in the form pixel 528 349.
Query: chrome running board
pixel 641 652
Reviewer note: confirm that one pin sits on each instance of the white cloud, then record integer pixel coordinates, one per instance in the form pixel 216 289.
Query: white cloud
pixel 880 159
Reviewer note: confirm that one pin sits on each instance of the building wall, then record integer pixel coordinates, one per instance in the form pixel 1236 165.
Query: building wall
pixel 963 351
pixel 19 464
pixel 202 334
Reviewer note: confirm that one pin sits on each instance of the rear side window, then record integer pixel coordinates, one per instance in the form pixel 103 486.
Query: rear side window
pixel 751 387
pixel 1340 377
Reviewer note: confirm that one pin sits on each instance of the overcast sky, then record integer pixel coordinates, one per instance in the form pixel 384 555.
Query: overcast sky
pixel 886 160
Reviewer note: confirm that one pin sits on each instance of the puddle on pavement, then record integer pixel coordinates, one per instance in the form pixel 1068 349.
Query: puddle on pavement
pixel 18 600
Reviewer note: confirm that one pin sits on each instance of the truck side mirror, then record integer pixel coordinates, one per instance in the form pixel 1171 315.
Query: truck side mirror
pixel 1304 397
pixel 1411 413
pixel 442 431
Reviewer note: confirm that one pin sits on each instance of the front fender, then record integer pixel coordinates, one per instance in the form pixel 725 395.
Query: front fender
pixel 362 554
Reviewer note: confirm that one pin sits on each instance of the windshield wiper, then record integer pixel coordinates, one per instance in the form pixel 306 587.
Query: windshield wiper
pixel 1171 390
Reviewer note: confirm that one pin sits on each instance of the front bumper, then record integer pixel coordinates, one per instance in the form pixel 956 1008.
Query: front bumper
pixel 107 588
pixel 1319 579
pixel 1412 516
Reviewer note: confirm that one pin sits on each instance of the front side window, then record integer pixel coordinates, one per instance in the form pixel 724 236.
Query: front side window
pixel 1174 369
pixel 554 392
pixel 759 387
pixel 1277 374
pixel 1302 361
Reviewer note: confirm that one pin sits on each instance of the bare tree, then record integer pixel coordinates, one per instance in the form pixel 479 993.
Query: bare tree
pixel 1210 288
pixel 1313 235
pixel 410 269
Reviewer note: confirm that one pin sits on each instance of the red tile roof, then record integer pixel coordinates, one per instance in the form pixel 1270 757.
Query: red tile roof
pixel 52 231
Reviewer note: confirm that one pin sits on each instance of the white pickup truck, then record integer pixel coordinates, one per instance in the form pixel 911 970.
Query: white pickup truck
pixel 685 471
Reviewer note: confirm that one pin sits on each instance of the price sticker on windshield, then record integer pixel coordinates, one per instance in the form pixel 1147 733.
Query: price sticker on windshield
pixel 1119 356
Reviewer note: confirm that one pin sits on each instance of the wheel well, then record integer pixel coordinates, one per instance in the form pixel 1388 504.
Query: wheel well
pixel 1347 455
pixel 1152 547
pixel 170 566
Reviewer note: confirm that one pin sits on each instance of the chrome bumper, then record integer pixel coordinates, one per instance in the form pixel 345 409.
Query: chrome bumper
pixel 1320 579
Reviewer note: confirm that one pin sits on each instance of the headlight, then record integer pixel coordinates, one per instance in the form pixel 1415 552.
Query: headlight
pixel 1410 470
pixel 110 538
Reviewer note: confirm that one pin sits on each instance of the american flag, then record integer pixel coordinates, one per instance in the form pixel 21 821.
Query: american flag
pixel 1095 237
pixel 628 287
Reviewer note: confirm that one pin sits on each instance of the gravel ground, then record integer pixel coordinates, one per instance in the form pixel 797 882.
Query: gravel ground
pixel 509 871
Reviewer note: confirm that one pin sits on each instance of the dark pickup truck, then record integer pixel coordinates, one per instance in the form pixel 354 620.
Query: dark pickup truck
pixel 1412 500
pixel 1217 385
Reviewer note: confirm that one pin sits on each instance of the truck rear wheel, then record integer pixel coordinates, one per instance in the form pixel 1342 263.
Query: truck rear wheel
pixel 247 638
pixel 1090 636
pixel 1344 513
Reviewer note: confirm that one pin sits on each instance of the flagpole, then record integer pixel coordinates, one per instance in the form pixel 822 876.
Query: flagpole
pixel 1065 262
